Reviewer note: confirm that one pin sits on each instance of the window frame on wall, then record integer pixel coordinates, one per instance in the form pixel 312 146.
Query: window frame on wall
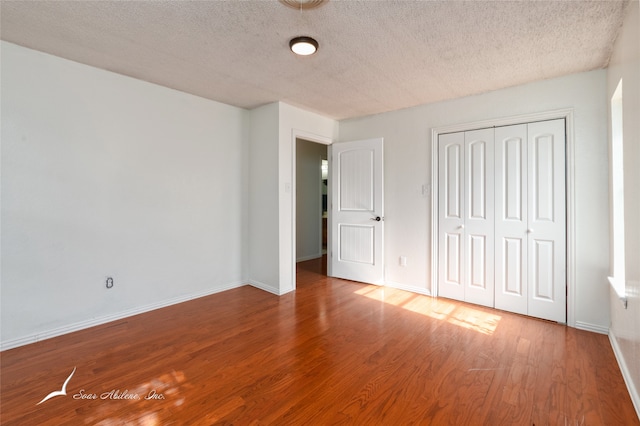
pixel 616 176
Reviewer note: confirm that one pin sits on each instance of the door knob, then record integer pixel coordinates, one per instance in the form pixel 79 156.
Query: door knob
pixel 377 218
pixel 461 227
pixel 529 231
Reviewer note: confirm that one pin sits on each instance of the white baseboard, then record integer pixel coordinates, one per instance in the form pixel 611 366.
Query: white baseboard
pixel 81 325
pixel 264 287
pixel 310 257
pixel 408 287
pixel 634 393
pixel 591 327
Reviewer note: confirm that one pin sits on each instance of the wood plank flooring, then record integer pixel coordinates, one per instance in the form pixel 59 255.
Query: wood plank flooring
pixel 332 352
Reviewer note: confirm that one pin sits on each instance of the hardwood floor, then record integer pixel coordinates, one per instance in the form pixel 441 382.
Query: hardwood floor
pixel 332 352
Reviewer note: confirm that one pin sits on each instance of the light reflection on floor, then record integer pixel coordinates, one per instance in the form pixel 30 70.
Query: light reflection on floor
pixel 440 309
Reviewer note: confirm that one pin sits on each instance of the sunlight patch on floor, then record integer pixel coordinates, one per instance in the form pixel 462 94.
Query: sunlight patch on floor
pixel 461 316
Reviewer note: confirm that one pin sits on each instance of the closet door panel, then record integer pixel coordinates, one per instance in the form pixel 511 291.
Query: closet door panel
pixel 511 218
pixel 479 216
pixel 451 207
pixel 547 220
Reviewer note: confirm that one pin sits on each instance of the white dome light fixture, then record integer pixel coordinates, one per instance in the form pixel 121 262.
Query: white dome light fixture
pixel 303 46
pixel 303 4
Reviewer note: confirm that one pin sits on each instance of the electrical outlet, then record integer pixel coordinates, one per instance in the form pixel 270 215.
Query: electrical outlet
pixel 403 260
pixel 109 282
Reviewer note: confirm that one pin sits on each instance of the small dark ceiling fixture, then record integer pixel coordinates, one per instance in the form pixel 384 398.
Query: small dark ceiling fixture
pixel 303 46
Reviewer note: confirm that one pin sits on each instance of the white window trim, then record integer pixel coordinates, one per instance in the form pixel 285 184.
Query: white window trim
pixel 617 278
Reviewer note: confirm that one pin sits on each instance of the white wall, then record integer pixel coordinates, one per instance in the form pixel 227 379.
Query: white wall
pixel 625 323
pixel 263 198
pixel 172 195
pixel 309 156
pixel 104 175
pixel 274 129
pixel 407 136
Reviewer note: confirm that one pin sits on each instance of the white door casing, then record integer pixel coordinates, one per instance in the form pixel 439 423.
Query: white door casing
pixel 357 211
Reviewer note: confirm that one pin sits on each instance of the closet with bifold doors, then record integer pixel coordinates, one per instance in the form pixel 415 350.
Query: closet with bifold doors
pixel 502 218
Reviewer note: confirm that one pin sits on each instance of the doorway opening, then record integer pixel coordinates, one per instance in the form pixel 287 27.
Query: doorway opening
pixel 312 213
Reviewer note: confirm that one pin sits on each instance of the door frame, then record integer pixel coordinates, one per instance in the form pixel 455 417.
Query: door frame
pixel 566 114
pixel 322 140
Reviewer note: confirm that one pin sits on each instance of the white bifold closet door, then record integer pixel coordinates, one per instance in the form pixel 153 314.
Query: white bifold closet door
pixel 467 216
pixel 502 203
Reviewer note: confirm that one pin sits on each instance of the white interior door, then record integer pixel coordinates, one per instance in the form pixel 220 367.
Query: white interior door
pixel 502 218
pixel 479 217
pixel 547 220
pixel 451 213
pixel 357 211
pixel 466 219
pixel 511 218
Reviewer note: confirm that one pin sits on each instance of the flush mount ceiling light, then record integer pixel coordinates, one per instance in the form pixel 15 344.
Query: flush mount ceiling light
pixel 303 46
pixel 303 4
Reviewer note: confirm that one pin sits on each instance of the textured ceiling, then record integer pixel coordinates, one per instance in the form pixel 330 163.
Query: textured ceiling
pixel 374 56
